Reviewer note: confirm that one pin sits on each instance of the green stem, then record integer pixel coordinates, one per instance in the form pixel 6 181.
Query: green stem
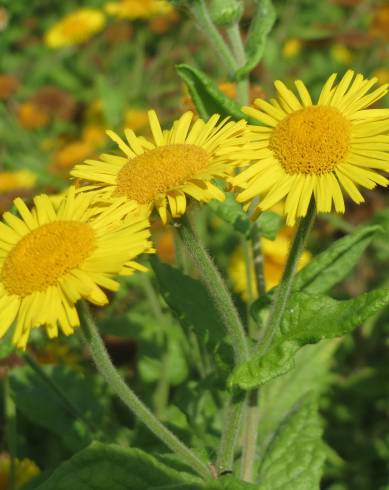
pixel 258 260
pixel 231 428
pixel 200 12
pixel 161 394
pixel 235 38
pixel 250 436
pixel 285 287
pixel 10 431
pixel 217 290
pixel 128 397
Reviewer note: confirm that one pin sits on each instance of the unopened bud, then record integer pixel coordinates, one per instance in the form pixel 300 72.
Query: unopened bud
pixel 226 12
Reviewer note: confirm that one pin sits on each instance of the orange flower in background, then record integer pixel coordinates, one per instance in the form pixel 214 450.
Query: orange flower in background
pixel 162 23
pixel 76 28
pixel 8 86
pixel 30 116
pixel 380 24
pixel 94 135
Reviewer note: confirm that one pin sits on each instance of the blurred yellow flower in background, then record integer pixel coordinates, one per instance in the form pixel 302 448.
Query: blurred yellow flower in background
pixel 291 48
pixel 94 135
pixel 380 24
pixel 341 54
pixel 76 28
pixel 138 9
pixel 25 470
pixel 181 162
pixel 72 153
pixel 20 179
pixel 136 119
pixel 275 252
pixel 382 75
pixel 51 258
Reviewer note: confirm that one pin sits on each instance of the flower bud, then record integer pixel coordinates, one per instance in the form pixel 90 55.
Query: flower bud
pixel 226 12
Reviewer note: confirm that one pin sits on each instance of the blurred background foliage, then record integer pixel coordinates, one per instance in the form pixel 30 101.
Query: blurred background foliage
pixel 55 105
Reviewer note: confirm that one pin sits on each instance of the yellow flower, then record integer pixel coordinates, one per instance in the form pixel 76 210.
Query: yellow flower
pixel 25 470
pixel 72 153
pixel 50 259
pixel 382 75
pixel 319 150
pixel 138 9
pixel 94 135
pixel 341 54
pixel 275 252
pixel 136 119
pixel 76 28
pixel 21 179
pixel 291 48
pixel 182 161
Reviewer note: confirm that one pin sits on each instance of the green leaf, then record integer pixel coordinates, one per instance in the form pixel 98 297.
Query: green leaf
pixel 39 404
pixel 311 374
pixel 269 224
pixel 232 212
pixel 207 97
pixel 189 300
pixel 308 319
pixel 107 466
pixel 6 348
pixel 295 456
pixel 260 26
pixel 334 264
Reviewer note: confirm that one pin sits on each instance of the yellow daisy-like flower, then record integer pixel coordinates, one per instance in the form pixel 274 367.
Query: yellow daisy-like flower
pixel 321 149
pixel 51 258
pixel 275 253
pixel 75 28
pixel 25 470
pixel 21 179
pixel 138 9
pixel 180 162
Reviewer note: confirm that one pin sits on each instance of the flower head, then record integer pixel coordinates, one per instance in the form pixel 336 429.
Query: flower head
pixel 75 28
pixel 138 9
pixel 320 150
pixel 51 258
pixel 180 162
pixel 20 179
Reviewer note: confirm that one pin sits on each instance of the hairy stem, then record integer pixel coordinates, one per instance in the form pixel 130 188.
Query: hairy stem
pixel 128 397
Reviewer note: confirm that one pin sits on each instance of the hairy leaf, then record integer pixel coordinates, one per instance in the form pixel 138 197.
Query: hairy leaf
pixel 260 26
pixel 295 456
pixel 308 319
pixel 107 466
pixel 334 264
pixel 207 97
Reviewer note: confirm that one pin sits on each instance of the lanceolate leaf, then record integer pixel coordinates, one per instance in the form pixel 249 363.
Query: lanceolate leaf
pixel 334 264
pixel 207 97
pixel 107 466
pixel 295 456
pixel 308 319
pixel 189 300
pixel 260 26
pixel 232 212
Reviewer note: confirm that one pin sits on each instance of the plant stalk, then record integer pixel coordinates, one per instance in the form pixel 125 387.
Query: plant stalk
pixel 128 397
pixel 217 290
pixel 285 287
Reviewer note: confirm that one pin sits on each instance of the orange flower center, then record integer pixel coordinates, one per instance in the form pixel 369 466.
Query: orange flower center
pixel 311 141
pixel 43 256
pixel 160 170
